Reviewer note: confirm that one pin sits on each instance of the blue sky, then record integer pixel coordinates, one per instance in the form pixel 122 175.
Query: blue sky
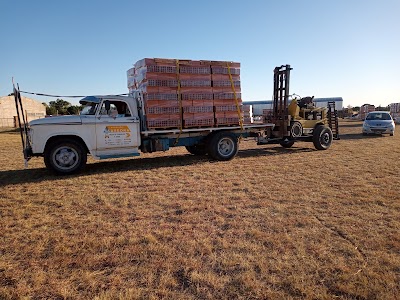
pixel 349 49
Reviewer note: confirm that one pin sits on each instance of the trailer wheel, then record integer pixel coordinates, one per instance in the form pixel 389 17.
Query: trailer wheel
pixel 223 146
pixel 65 157
pixel 322 137
pixel 197 149
pixel 286 143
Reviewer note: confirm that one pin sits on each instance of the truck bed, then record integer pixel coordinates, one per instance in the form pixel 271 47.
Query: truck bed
pixel 246 128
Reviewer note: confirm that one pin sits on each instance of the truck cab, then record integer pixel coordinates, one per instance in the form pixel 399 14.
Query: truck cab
pixel 108 127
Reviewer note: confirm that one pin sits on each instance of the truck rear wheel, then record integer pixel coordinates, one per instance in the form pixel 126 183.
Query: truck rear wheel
pixel 65 157
pixel 223 146
pixel 322 137
pixel 197 149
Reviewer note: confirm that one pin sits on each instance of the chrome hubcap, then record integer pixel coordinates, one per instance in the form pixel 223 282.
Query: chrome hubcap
pixel 226 147
pixel 65 157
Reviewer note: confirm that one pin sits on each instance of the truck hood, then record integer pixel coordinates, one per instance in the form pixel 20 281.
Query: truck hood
pixel 62 120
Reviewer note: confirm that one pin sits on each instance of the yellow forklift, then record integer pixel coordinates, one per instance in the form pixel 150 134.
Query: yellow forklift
pixel 300 120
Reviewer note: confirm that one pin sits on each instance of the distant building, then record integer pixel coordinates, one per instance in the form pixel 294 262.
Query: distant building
pixel 259 106
pixel 33 109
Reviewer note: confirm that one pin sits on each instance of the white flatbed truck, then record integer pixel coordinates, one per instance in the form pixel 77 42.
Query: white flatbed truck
pixel 102 132
pixel 115 126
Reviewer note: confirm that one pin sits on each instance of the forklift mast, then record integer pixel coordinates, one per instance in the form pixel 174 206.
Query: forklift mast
pixel 280 115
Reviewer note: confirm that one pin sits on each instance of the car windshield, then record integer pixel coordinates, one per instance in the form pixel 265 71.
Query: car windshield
pixel 89 109
pixel 379 116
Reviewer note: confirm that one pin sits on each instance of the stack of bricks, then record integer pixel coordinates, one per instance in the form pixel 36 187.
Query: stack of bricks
pixel 187 93
pixel 248 114
pixel 225 106
pixel 395 108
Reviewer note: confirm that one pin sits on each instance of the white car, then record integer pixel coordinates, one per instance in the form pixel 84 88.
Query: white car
pixel 378 122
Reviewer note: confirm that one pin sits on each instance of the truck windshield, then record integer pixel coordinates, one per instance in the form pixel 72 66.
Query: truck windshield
pixel 89 109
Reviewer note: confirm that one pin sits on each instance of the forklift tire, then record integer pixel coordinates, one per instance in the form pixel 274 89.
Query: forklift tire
pixel 65 157
pixel 322 137
pixel 223 146
pixel 286 144
pixel 197 149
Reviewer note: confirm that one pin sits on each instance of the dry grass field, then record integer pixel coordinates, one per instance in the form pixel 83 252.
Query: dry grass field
pixel 273 223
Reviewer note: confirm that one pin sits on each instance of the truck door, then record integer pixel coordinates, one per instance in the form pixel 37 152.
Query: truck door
pixel 117 129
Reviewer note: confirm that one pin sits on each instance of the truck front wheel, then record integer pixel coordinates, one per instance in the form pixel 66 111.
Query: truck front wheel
pixel 65 157
pixel 223 146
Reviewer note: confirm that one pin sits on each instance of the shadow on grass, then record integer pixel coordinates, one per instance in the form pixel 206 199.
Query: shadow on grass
pixel 10 130
pixel 275 150
pixel 358 136
pixel 350 125
pixel 103 167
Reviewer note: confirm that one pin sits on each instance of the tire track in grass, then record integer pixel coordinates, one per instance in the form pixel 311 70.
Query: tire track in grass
pixel 344 236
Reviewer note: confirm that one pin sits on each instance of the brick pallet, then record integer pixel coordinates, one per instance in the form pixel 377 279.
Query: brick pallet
pixel 193 92
pixel 248 114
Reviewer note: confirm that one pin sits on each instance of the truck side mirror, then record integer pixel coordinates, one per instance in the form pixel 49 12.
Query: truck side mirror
pixel 107 105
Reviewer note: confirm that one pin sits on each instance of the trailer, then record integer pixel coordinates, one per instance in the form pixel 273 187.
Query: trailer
pixel 115 127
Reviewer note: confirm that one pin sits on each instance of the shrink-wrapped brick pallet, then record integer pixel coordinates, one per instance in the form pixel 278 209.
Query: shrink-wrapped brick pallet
pixel 248 114
pixel 195 93
pixel 395 107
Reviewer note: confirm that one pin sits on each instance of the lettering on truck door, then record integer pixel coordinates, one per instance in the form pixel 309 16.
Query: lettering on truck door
pixel 117 130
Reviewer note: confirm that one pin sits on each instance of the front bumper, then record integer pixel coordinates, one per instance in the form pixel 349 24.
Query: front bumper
pixel 378 130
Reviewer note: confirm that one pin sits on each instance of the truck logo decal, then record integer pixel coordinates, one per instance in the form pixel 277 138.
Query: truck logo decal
pixel 117 135
pixel 121 128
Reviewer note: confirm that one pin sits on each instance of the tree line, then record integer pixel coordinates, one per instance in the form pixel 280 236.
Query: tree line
pixel 61 107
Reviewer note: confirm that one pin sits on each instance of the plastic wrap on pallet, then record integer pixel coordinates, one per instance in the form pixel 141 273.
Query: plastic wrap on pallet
pixel 226 95
pixel 196 103
pixel 225 79
pixel 227 114
pixel 163 110
pixel 395 107
pixel 219 108
pixel 159 96
pixel 198 116
pixel 171 79
pixel 225 70
pixel 248 113
pixel 198 122
pixel 163 123
pixel 162 103
pixel 226 83
pixel 248 120
pixel 165 116
pixel 227 102
pixel 227 121
pixel 131 82
pixel 197 96
pixel 247 108
pixel 198 109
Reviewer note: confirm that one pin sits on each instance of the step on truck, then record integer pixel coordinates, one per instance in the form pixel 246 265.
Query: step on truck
pixel 116 127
